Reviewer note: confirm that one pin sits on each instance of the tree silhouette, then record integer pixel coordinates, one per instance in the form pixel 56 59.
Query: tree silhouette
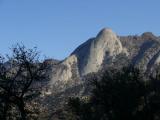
pixel 19 75
pixel 125 94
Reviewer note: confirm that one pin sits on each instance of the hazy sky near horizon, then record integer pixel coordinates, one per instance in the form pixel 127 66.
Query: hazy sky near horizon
pixel 57 27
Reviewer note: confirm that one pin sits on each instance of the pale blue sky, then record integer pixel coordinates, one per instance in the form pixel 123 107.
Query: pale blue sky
pixel 57 27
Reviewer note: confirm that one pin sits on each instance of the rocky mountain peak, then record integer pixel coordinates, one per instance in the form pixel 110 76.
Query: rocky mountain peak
pixel 89 56
pixel 103 51
pixel 105 44
pixel 92 53
pixel 148 36
pixel 108 41
pixel 105 32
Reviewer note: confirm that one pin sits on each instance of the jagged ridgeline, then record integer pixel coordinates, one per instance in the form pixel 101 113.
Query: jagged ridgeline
pixel 108 49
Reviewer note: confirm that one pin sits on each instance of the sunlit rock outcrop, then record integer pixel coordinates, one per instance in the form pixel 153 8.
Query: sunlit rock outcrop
pixel 108 49
pixel 92 53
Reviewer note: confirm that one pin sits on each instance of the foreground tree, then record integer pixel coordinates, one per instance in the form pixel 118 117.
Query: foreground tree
pixel 125 94
pixel 19 78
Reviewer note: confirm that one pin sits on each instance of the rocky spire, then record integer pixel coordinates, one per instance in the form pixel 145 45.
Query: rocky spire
pixel 90 56
pixel 105 42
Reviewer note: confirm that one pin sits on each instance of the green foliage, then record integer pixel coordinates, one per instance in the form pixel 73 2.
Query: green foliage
pixel 125 94
pixel 79 110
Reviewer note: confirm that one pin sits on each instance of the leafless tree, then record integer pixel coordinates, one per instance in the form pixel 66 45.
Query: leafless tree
pixel 20 74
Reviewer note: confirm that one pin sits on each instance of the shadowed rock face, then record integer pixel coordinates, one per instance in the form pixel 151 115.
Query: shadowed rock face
pixel 148 36
pixel 144 47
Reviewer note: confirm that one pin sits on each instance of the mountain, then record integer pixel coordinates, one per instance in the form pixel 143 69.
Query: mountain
pixel 89 56
pixel 92 53
pixel 108 49
pixel 67 78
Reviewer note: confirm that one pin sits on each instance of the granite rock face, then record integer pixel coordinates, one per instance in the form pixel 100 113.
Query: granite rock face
pixel 108 49
pixel 64 71
pixel 89 56
pixel 92 53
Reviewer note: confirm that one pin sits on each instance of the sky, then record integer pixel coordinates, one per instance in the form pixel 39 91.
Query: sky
pixel 57 27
